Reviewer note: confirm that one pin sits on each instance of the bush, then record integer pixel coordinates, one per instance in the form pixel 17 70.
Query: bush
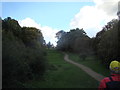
pixel 36 60
pixel 14 69
pixel 20 63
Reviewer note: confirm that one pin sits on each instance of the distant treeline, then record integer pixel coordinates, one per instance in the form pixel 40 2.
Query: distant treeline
pixel 23 54
pixel 105 45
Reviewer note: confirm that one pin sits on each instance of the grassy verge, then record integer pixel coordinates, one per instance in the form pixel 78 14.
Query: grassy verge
pixel 61 74
pixel 92 63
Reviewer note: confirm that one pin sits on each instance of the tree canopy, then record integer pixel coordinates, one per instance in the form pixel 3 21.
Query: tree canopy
pixel 23 54
pixel 105 45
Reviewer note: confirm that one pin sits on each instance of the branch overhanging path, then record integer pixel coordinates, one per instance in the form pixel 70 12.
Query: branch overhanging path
pixel 89 71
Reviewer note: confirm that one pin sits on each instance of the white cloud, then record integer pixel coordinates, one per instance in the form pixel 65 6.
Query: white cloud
pixel 93 18
pixel 28 22
pixel 48 32
pixel 90 18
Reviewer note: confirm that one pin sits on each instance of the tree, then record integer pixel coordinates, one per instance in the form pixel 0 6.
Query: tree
pixel 75 41
pixel 32 36
pixel 49 45
pixel 106 42
pixel 59 34
pixel 12 25
pixel 23 54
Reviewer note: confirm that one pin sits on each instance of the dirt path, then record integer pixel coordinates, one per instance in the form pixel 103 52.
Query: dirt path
pixel 89 71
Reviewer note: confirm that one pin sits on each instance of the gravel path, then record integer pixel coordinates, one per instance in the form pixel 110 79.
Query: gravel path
pixel 89 71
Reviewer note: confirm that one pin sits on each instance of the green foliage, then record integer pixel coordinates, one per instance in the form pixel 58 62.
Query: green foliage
pixel 31 36
pixel 36 60
pixel 21 61
pixel 49 45
pixel 12 25
pixel 92 62
pixel 75 41
pixel 12 58
pixel 61 74
pixel 106 43
pixel 83 56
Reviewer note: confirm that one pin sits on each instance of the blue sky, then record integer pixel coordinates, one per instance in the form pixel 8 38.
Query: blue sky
pixel 56 15
pixel 51 17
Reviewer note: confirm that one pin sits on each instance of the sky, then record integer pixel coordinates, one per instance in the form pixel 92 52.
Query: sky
pixel 51 17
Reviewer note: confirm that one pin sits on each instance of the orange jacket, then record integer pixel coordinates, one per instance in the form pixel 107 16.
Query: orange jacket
pixel 115 77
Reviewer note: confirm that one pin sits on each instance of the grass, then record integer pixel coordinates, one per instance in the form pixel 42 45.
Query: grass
pixel 61 74
pixel 91 62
